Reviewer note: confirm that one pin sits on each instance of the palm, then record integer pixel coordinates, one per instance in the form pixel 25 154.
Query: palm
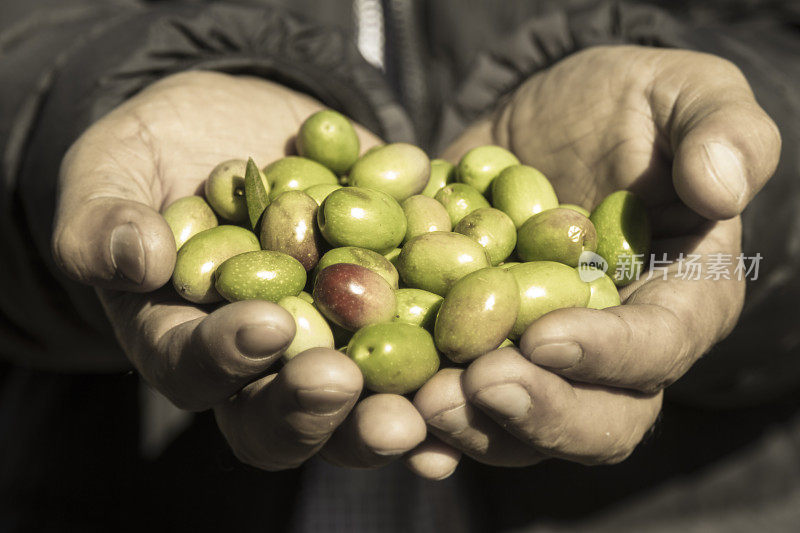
pixel 683 131
pixel 177 131
pixel 160 146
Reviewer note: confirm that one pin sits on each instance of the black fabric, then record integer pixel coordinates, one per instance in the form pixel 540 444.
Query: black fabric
pixel 68 443
pixel 72 464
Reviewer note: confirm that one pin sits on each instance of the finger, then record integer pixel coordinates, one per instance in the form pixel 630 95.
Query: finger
pixel 725 146
pixel 442 403
pixel 107 230
pixel 381 428
pixel 197 359
pixel 433 459
pixel 652 340
pixel 280 421
pixel 582 423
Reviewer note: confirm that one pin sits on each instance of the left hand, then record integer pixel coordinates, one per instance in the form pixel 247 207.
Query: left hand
pixel 153 149
pixel 683 131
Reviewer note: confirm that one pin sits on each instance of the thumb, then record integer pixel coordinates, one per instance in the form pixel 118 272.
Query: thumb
pixel 107 232
pixel 725 146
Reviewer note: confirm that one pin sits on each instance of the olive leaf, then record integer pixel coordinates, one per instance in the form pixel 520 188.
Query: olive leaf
pixel 256 191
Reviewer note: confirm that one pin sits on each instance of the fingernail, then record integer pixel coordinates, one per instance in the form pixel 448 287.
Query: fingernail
pixel 557 355
pixel 726 168
pixel 127 252
pixel 261 340
pixel 453 420
pixel 509 400
pixel 323 401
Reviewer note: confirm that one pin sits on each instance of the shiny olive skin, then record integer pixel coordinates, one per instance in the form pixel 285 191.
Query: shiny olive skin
pixel 558 234
pixel 493 230
pixel 545 286
pixel 306 297
pixel 460 199
pixel 423 215
pixel 366 218
pixel 200 256
pixel 577 208
pixel 260 275
pixel 521 191
pixel 623 233
pixel 289 226
pixel 361 256
pixel 477 314
pixel 434 261
pixel 392 255
pixel 481 165
pixel 329 138
pixel 603 291
pixel 394 358
pixel 187 217
pixel 320 191
pixel 224 190
pixel 311 329
pixel 442 173
pixel 400 170
pixel 417 307
pixel 295 173
pixel 353 296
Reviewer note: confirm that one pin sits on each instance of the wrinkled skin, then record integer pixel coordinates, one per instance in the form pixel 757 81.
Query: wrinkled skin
pixel 157 147
pixel 616 117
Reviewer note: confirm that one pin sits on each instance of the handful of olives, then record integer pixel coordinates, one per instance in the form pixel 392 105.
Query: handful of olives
pixel 394 258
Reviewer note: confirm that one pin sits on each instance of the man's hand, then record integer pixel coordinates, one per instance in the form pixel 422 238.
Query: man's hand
pixel 682 130
pixel 152 150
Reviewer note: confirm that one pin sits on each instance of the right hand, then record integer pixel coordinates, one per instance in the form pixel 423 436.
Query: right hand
pixel 155 148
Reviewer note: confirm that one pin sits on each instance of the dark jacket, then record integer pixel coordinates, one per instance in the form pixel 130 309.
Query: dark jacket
pixel 68 443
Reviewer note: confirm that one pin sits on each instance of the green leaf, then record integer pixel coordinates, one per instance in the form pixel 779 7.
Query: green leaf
pixel 256 193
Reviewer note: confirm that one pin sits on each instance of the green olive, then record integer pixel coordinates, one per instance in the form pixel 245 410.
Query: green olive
pixel 294 173
pixel 366 218
pixel 435 261
pixel 260 275
pixel 623 235
pixel 398 169
pixel 556 235
pixel 481 165
pixel 460 200
pixel 224 190
pixel 521 191
pixel 200 256
pixel 442 173
pixel 545 286
pixel 312 331
pixel 187 217
pixel 424 215
pixel 330 139
pixel 492 229
pixel 394 357
pixel 417 307
pixel 477 314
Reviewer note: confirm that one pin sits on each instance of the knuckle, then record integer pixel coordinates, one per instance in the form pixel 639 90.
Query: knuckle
pixel 554 437
pixel 619 448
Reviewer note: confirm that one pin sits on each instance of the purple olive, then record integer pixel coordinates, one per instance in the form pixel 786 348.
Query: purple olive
pixel 353 296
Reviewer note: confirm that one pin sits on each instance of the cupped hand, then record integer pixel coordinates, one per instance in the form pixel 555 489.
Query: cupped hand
pixel 155 148
pixel 683 131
